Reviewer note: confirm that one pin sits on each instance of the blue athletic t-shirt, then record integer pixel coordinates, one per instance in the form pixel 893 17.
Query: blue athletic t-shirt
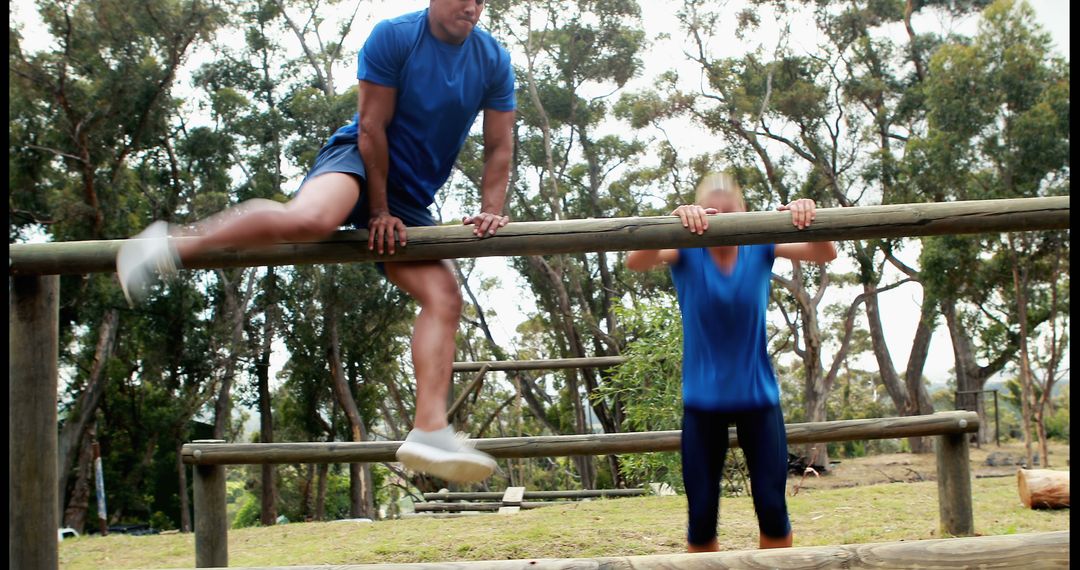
pixel 726 365
pixel 441 88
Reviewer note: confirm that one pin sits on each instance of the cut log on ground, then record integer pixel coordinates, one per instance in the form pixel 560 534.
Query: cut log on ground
pixel 1043 488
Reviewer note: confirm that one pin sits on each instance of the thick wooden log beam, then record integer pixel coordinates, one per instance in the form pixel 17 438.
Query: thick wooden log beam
pixel 1038 550
pixel 563 445
pixel 574 236
pixel 551 364
pixel 1043 488
pixel 569 494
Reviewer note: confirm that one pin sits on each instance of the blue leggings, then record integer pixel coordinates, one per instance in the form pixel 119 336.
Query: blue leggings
pixel 704 449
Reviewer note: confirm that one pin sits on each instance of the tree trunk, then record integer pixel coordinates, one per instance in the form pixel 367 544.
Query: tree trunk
pixel 359 478
pixel 918 395
pixel 73 430
pixel 970 376
pixel 305 481
pixel 816 397
pixel 909 395
pixel 320 496
pixel 889 378
pixel 1020 282
pixel 185 507
pixel 268 491
pixel 75 513
pixel 234 311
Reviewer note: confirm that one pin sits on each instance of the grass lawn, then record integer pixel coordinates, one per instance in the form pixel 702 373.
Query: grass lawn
pixel 612 527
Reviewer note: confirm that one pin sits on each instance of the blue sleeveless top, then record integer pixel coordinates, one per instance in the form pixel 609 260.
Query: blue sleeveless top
pixel 726 365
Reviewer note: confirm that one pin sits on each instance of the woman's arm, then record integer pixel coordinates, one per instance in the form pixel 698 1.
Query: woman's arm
pixel 693 218
pixel 802 214
pixel 644 260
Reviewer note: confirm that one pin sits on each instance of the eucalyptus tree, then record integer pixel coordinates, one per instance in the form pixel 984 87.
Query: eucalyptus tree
pixel 573 56
pixel 998 126
pixel 92 115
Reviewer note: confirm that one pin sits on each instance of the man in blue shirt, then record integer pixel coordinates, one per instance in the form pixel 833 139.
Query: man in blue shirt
pixel 727 376
pixel 423 79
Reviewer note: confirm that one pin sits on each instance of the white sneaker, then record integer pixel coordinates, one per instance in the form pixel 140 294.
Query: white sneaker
pixel 144 258
pixel 446 455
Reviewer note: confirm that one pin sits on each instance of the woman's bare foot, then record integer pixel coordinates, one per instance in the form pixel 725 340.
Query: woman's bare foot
pixel 769 542
pixel 711 546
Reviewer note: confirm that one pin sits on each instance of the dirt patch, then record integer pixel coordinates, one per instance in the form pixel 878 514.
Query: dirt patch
pixel 911 467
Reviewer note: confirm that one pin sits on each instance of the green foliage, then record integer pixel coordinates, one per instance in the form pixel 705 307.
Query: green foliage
pixel 650 383
pixel 247 515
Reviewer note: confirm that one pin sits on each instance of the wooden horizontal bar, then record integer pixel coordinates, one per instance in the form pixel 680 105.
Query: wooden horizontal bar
pixel 1036 550
pixel 457 507
pixel 603 234
pixel 550 364
pixel 567 494
pixel 563 445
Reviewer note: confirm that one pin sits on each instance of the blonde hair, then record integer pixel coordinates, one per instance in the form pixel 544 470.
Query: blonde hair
pixel 719 182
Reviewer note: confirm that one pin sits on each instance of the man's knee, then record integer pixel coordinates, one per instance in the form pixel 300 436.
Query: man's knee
pixel 446 299
pixel 304 226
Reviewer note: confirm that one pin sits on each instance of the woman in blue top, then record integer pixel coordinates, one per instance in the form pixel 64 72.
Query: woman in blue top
pixel 723 294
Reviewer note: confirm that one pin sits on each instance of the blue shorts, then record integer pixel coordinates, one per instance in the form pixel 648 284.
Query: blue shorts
pixel 704 448
pixel 346 158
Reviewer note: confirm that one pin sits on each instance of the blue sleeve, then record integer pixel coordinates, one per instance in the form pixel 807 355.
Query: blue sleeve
pixel 500 92
pixel 383 56
pixel 769 253
pixel 681 261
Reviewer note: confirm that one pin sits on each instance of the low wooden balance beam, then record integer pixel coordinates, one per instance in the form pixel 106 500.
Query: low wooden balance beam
pixel 953 422
pixel 210 459
pixel 1041 550
pixel 589 235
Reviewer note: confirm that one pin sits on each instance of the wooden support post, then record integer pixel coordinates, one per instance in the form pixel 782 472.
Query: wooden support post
pixel 33 352
pixel 954 485
pixel 211 521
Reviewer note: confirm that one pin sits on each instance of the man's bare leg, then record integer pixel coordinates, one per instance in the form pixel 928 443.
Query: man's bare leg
pixel 321 206
pixel 434 286
pixel 432 446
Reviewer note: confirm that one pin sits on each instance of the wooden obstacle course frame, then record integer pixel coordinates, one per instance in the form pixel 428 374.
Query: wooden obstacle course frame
pixel 32 270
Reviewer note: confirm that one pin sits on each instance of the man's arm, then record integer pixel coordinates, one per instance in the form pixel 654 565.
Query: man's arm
pixel 376 105
pixel 498 150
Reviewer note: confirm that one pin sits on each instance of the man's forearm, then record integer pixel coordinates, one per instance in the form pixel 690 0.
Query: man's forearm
pixel 495 180
pixel 374 153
